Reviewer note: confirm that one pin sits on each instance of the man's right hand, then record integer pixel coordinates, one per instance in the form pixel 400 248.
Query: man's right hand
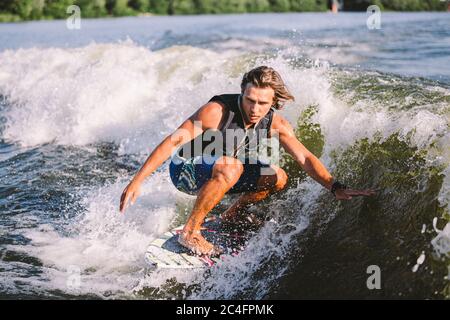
pixel 208 116
pixel 131 192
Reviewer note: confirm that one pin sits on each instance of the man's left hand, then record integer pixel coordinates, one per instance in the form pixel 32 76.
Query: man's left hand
pixel 347 194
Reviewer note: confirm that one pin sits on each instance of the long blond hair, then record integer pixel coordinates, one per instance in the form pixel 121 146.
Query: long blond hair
pixel 263 77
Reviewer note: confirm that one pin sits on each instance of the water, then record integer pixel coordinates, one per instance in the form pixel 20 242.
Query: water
pixel 80 110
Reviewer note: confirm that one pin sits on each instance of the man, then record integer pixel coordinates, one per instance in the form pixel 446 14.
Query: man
pixel 210 169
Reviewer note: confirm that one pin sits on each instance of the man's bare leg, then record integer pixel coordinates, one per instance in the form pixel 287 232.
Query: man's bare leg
pixel 267 185
pixel 242 203
pixel 226 173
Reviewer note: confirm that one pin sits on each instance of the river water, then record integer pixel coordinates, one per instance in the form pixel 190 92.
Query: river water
pixel 80 110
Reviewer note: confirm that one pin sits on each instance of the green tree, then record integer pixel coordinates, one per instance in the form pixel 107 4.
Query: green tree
pixel 37 8
pixel 21 8
pixel 322 5
pixel 397 5
pixel 57 8
pixel 121 8
pixel 183 7
pixel 279 5
pixel 159 7
pixel 203 6
pixel 229 6
pixel 15 10
pixel 413 5
pixel 92 8
pixel 303 5
pixel 257 6
pixel 139 5
pixel 401 5
pixel 357 5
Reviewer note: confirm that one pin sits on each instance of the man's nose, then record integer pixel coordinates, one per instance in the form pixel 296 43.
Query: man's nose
pixel 254 108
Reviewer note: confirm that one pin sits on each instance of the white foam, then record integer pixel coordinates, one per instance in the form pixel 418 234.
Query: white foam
pixel 441 242
pixel 105 92
pixel 263 261
pixel 134 97
pixel 105 245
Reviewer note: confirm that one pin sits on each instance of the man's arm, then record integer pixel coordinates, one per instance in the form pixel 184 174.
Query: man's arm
pixel 307 160
pixel 207 117
pixel 298 151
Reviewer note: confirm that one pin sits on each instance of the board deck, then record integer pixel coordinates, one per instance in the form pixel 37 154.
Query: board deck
pixel 166 253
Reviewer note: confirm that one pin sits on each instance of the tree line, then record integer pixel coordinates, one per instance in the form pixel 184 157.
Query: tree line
pixel 17 10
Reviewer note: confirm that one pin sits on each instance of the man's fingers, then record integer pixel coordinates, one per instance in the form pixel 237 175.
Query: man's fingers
pixel 134 197
pixel 124 193
pixel 123 204
pixel 347 194
pixel 130 193
pixel 360 192
pixel 344 197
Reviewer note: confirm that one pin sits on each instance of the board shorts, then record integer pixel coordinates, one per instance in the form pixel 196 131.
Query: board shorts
pixel 189 175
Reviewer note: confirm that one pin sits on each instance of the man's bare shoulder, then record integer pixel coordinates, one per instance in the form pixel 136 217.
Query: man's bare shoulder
pixel 210 115
pixel 280 123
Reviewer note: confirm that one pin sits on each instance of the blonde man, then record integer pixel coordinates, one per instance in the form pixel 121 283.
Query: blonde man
pixel 211 168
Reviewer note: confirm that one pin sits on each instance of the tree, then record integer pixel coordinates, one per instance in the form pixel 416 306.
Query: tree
pixel 16 10
pixel 436 5
pixel 122 9
pixel 91 8
pixel 257 6
pixel 203 6
pixel 322 5
pixel 159 7
pixel 279 5
pixel 22 8
pixel 230 6
pixel 183 7
pixel 304 5
pixel 57 8
pixel 139 5
pixel 357 5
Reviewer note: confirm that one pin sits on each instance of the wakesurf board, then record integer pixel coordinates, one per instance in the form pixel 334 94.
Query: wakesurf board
pixel 166 253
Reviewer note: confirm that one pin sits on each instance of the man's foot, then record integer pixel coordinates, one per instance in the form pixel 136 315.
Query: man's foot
pixel 195 242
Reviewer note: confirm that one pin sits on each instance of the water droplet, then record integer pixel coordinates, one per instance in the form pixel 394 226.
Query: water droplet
pixel 421 258
pixel 424 228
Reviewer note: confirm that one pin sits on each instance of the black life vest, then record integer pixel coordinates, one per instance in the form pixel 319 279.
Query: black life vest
pixel 236 139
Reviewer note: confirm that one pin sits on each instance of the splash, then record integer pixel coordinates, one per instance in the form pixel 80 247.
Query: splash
pixel 132 97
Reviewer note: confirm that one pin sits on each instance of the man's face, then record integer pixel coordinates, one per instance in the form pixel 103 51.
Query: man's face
pixel 256 102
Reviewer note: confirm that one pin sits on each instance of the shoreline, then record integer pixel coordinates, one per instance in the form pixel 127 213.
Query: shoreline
pixel 17 19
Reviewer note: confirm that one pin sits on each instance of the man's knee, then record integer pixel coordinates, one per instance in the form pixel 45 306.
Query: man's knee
pixel 274 180
pixel 228 170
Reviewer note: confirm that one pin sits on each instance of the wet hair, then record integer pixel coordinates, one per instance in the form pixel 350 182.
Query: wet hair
pixel 263 77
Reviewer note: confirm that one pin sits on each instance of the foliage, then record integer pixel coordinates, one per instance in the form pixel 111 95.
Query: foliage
pixel 14 10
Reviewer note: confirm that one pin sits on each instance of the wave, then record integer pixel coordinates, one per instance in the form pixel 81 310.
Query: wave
pixel 371 129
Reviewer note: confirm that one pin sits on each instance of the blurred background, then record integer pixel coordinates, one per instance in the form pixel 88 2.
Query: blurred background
pixel 17 10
